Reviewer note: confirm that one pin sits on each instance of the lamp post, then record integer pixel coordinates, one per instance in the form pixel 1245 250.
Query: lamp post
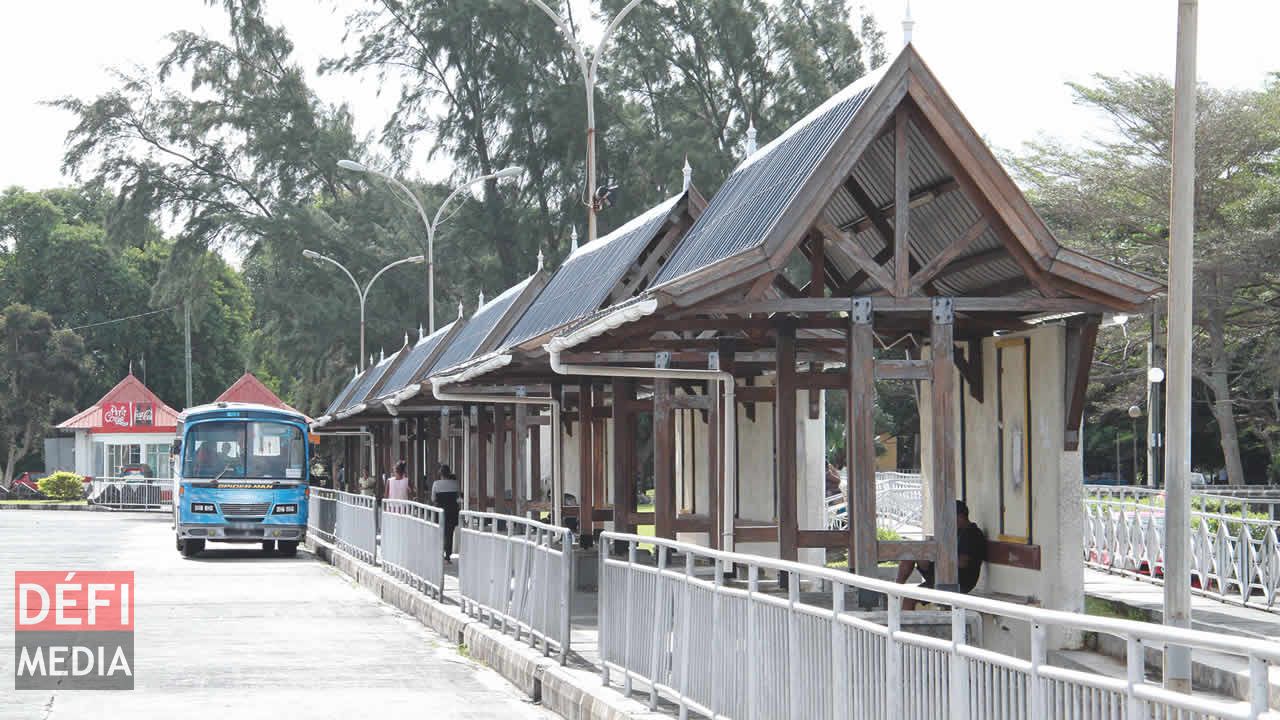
pixel 590 67
pixel 430 223
pixel 1135 412
pixel 362 293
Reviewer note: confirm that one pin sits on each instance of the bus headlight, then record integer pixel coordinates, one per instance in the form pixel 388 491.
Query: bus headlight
pixel 285 509
pixel 202 508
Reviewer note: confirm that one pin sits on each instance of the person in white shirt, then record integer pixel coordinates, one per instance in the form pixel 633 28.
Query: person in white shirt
pixel 447 494
pixel 398 484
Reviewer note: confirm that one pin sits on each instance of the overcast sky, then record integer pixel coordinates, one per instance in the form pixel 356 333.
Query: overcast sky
pixel 1004 62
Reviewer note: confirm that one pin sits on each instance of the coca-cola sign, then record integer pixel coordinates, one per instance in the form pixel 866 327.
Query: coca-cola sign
pixel 143 414
pixel 116 415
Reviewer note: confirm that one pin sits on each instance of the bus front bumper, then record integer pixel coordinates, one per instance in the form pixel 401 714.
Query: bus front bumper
pixel 246 532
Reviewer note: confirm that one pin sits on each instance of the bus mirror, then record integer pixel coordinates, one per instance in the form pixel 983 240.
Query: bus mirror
pixel 176 447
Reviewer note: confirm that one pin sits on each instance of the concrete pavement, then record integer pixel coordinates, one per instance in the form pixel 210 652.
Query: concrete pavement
pixel 236 634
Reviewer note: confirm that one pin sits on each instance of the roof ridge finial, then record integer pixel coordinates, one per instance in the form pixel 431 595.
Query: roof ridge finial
pixel 459 309
pixel 540 258
pixel 382 354
pixel 751 136
pixel 422 331
pixel 573 238
pixel 688 172
pixel 481 303
pixel 907 25
pixel 131 368
pixel 370 359
pixel 406 339
pixel 355 371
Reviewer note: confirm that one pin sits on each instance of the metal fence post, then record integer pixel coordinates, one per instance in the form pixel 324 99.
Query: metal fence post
pixel 602 623
pixel 1135 662
pixel 1038 707
pixel 839 659
pixel 795 659
pixel 566 601
pixel 959 700
pixel 893 660
pixel 685 629
pixel 624 626
pixel 658 612
pixel 753 655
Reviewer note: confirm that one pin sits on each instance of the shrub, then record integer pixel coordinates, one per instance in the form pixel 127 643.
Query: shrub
pixel 62 486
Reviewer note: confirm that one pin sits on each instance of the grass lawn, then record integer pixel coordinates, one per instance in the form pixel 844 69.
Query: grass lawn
pixel 43 502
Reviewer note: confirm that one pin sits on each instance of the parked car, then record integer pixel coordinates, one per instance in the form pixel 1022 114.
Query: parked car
pixel 137 473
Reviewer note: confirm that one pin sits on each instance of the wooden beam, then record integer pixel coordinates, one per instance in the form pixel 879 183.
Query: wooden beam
pixel 902 206
pixel 519 461
pixel 860 439
pixel 1019 305
pixel 920 196
pixel 971 367
pixel 785 442
pixel 969 262
pixel 942 389
pixel 822 538
pixel 1082 335
pixel 907 550
pixel 817 265
pixel 948 254
pixel 902 369
pixel 859 255
pixel 869 209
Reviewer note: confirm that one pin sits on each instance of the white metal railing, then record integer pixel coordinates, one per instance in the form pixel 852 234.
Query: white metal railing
pixel 322 513
pixel 356 525
pixel 899 502
pixel 412 545
pixel 728 650
pixel 519 573
pixel 130 493
pixel 1235 554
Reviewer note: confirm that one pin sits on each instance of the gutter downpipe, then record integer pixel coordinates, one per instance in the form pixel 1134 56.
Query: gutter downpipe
pixel 557 484
pixel 723 384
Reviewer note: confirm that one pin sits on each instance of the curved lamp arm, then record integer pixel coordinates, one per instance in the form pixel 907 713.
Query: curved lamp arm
pixel 613 25
pixel 567 31
pixel 415 259
pixel 317 256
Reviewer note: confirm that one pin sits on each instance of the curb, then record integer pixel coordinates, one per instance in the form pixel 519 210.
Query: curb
pixel 571 693
pixel 57 506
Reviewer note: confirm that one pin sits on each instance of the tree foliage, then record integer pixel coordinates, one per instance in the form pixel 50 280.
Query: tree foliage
pixel 41 366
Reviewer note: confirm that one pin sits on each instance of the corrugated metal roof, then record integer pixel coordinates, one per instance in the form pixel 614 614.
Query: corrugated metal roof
pixel 759 190
pixel 414 367
pixel 587 277
pixel 468 341
pixel 369 381
pixel 339 400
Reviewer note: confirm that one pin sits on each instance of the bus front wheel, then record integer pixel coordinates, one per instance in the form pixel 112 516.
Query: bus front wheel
pixel 289 548
pixel 268 546
pixel 191 547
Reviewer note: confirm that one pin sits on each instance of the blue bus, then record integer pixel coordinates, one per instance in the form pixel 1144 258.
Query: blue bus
pixel 241 475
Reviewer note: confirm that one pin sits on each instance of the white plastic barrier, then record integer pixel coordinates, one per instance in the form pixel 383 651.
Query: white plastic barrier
pixel 356 528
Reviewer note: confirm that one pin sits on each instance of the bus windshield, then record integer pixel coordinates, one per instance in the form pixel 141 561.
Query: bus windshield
pixel 240 449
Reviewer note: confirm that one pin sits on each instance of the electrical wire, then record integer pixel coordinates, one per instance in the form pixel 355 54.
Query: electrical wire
pixel 123 319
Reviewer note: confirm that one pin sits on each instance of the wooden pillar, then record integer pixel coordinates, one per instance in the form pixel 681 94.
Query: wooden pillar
pixel 624 454
pixel 586 483
pixel 499 458
pixel 520 458
pixel 784 425
pixel 535 465
pixel 860 440
pixel 726 348
pixel 475 446
pixel 942 417
pixel 664 453
pixel 484 432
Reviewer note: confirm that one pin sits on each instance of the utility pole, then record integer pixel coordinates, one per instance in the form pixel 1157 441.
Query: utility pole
pixel 186 314
pixel 1177 561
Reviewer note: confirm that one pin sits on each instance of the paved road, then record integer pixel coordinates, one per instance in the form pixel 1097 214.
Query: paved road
pixel 234 634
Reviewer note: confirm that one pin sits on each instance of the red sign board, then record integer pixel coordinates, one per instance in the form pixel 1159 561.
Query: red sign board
pixel 144 414
pixel 116 415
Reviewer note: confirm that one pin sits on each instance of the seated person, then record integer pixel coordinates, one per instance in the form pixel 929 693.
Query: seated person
pixel 971 551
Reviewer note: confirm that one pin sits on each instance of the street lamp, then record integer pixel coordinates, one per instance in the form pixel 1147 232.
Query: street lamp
pixel 363 293
pixel 1155 376
pixel 430 223
pixel 1135 412
pixel 590 67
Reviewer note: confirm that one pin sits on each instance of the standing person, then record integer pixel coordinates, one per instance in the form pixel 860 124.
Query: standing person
pixel 398 484
pixel 447 494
